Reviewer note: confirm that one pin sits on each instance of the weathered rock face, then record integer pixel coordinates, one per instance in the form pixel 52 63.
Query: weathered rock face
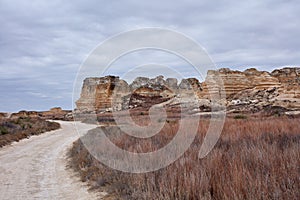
pixel 287 75
pixel 236 81
pixel 172 83
pixel 253 88
pixel 97 93
pixel 289 92
pixel 111 93
pixel 281 88
pixel 190 85
pixel 153 87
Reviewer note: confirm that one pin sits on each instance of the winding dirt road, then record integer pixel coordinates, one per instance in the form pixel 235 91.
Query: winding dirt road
pixel 35 168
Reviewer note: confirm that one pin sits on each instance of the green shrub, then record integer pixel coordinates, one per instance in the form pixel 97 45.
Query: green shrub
pixel 19 121
pixel 23 126
pixel 3 130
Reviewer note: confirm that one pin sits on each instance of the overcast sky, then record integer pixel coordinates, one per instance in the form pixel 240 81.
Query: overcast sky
pixel 43 43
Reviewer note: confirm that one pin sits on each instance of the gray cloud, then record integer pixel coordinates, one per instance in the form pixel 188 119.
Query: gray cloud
pixel 43 43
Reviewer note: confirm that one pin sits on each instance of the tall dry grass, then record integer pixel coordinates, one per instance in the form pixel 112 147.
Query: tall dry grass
pixel 255 158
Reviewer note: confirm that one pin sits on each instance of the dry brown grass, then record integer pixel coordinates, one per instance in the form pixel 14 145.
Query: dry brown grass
pixel 255 158
pixel 23 127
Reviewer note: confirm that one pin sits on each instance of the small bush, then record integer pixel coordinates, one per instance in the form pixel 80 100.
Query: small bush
pixel 240 117
pixel 3 130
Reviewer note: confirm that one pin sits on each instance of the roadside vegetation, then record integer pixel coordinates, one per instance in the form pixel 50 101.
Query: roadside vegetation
pixel 23 127
pixel 255 158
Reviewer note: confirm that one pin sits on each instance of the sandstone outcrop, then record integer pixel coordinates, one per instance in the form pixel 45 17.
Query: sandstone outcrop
pixel 97 93
pixel 235 81
pixel 112 93
pixel 250 90
pixel 285 92
pixel 289 92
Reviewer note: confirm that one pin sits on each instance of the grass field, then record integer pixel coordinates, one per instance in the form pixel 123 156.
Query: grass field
pixel 255 158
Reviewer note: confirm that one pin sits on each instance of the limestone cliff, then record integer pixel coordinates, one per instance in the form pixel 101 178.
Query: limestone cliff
pixel 251 88
pixel 289 92
pixel 97 93
pixel 235 81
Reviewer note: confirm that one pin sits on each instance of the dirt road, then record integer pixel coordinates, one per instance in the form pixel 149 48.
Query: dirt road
pixel 35 168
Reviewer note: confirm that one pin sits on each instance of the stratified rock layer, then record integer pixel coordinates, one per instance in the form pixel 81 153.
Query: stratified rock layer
pixel 236 81
pixel 250 89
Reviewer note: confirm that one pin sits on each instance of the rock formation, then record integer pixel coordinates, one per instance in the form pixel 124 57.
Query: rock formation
pixel 97 93
pixel 250 90
pixel 236 81
pixel 112 93
pixel 280 88
pixel 289 92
